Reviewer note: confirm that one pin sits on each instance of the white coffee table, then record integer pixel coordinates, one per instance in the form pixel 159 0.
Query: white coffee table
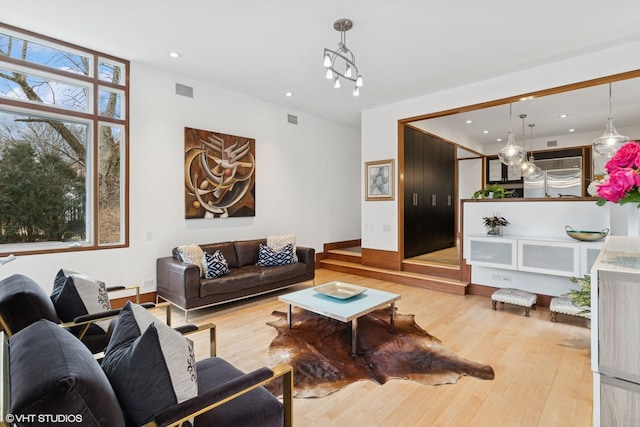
pixel 343 306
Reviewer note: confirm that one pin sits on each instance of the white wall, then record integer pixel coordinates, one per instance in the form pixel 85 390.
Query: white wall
pixel 379 125
pixel 307 180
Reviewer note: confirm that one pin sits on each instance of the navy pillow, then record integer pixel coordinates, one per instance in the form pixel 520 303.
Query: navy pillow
pixel 150 366
pixel 268 257
pixel 215 265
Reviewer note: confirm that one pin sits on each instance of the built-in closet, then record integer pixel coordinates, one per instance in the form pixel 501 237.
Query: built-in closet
pixel 429 193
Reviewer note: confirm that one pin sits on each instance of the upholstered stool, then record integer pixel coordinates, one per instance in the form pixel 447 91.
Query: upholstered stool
pixel 516 297
pixel 565 306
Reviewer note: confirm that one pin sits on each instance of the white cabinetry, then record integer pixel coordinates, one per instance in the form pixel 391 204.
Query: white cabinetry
pixel 615 332
pixel 558 257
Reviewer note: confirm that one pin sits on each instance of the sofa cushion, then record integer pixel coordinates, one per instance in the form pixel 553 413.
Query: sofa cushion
pixel 282 272
pixel 76 294
pixel 192 254
pixel 237 280
pixel 215 265
pixel 247 251
pixel 228 250
pixel 23 302
pixel 213 372
pixel 52 372
pixel 268 257
pixel 278 242
pixel 151 366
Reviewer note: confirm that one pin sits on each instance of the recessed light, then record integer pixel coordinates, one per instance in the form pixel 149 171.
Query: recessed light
pixel 485 131
pixel 563 116
pixel 469 121
pixel 288 94
pixel 175 54
pixel 499 139
pixel 572 130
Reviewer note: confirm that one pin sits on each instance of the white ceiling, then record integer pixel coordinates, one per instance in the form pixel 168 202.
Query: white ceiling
pixel 403 49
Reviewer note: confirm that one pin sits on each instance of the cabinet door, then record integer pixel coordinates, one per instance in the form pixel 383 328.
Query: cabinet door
pixel 619 402
pixel 619 325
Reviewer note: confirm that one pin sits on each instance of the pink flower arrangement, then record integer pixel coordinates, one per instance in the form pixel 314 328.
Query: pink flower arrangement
pixel 623 183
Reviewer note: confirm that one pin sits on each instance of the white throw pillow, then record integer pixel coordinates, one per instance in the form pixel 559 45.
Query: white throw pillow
pixel 278 242
pixel 192 254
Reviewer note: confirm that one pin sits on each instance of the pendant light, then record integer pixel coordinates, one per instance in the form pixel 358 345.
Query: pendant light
pixel 611 140
pixel 511 154
pixel 530 170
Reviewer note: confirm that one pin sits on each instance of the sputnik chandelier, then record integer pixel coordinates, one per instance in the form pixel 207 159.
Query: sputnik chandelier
pixel 341 62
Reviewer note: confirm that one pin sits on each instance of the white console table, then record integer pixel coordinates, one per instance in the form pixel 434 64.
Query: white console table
pixel 554 256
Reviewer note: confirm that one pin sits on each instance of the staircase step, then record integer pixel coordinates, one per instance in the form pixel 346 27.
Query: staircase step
pixel 432 269
pixel 403 277
pixel 347 256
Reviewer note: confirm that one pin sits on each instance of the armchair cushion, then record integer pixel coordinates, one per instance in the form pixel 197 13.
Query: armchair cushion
pixel 52 372
pixel 268 257
pixel 76 294
pixel 151 366
pixel 23 302
pixel 255 408
pixel 215 265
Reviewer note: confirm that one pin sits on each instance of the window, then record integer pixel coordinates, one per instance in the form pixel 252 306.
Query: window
pixel 63 146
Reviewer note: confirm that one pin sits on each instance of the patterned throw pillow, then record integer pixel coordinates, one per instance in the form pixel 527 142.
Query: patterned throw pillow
pixel 277 242
pixel 76 294
pixel 215 265
pixel 150 366
pixel 267 257
pixel 192 254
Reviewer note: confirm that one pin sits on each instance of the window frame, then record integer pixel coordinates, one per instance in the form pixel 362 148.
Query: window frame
pixel 94 120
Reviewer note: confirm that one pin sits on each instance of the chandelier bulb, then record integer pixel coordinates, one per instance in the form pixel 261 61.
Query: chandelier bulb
pixel 347 72
pixel 356 91
pixel 327 61
pixel 359 81
pixel 336 83
pixel 329 74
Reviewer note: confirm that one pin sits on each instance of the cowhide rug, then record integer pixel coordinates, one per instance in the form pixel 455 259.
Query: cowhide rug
pixel 319 349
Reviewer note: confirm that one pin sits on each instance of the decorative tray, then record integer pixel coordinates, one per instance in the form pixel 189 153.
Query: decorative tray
pixel 586 236
pixel 340 290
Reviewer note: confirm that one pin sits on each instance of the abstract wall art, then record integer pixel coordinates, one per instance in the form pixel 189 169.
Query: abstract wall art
pixel 219 171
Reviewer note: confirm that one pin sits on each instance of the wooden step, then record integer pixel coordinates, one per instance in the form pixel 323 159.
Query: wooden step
pixel 343 255
pixel 432 269
pixel 403 277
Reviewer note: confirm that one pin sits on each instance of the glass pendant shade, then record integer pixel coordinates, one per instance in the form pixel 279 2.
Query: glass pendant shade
pixel 327 61
pixel 610 141
pixel 328 75
pixel 512 154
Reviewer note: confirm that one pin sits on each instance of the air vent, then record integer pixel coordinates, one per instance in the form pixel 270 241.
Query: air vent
pixel 184 90
pixel 552 143
pixel 292 119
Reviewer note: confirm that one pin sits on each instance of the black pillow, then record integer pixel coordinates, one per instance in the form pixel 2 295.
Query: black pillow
pixel 151 366
pixel 76 294
pixel 53 373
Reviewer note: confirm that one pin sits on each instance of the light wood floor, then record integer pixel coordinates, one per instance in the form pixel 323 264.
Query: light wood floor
pixel 543 376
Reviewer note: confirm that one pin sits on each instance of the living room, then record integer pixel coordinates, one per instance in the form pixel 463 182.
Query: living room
pixel 309 176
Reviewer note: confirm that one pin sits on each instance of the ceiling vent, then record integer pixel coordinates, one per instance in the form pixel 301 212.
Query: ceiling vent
pixel 292 119
pixel 184 90
pixel 552 143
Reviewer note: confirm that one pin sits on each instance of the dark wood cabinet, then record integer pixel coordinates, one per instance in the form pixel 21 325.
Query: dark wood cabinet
pixel 429 192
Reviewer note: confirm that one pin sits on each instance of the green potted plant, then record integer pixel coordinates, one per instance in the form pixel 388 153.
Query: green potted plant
pixel 494 191
pixel 494 224
pixel 581 298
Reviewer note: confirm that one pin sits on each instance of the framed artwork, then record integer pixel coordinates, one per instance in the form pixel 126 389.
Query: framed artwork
pixel 219 173
pixel 378 178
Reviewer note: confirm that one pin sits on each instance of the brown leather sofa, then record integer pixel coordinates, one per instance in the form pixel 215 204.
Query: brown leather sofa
pixel 180 283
